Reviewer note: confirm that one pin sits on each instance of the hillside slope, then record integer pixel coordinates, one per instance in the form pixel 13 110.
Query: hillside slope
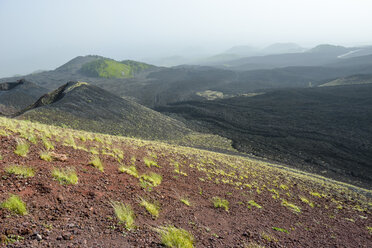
pixel 15 96
pixel 350 80
pixel 326 130
pixel 217 200
pixel 321 55
pixel 83 106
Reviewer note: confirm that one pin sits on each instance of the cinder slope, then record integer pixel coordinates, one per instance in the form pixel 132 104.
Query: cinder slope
pixel 268 206
pixel 15 96
pixel 87 107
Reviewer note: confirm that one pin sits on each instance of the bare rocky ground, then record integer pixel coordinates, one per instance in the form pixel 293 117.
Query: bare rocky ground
pixel 81 215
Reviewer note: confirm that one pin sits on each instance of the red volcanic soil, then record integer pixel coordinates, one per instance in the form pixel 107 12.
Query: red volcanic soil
pixel 81 215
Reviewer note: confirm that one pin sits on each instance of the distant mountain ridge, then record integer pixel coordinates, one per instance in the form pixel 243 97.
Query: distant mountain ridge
pixel 288 54
pixel 155 86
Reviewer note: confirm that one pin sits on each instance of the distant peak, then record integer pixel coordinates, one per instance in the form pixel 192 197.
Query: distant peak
pixel 328 48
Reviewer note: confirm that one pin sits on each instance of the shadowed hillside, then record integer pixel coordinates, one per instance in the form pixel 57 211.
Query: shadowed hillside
pixel 326 130
pixel 83 106
pixel 15 96
pixel 350 80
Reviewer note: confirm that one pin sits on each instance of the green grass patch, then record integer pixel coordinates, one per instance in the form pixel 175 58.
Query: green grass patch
pixel 11 238
pixel 45 155
pixel 47 143
pixel 280 229
pixel 30 137
pixel 185 201
pixel 268 237
pixel 152 208
pixel 65 176
pixel 124 213
pixel 291 206
pixel 22 148
pixel 149 162
pixel 3 133
pixel 96 162
pixel 220 203
pixel 130 170
pixel 305 200
pixel 252 203
pixel 284 187
pixel 20 170
pixel 15 204
pixel 153 178
pixel 316 194
pixel 175 237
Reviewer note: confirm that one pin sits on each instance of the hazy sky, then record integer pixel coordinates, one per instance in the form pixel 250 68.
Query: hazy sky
pixel 43 34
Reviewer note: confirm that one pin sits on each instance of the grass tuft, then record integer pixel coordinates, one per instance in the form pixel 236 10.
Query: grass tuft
pixel 45 155
pixel 15 204
pixel 153 178
pixel 220 203
pixel 130 170
pixel 148 162
pixel 176 237
pixel 96 162
pixel 124 213
pixel 185 201
pixel 291 206
pixel 152 208
pixel 268 237
pixel 252 203
pixel 20 170
pixel 22 148
pixel 305 200
pixel 47 143
pixel 280 229
pixel 65 176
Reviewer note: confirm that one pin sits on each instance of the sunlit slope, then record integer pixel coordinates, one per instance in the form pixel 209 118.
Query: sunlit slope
pixel 109 68
pixel 73 187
